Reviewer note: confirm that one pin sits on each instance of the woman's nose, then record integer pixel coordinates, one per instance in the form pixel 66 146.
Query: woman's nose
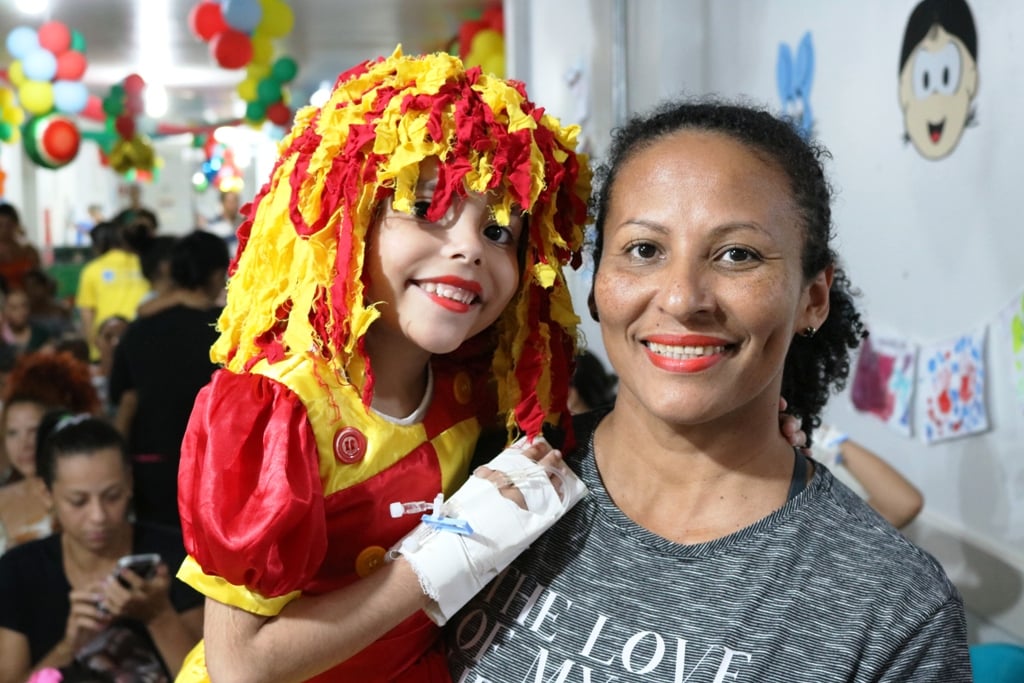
pixel 685 289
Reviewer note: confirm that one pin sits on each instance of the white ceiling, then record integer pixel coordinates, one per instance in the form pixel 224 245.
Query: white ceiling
pixel 152 38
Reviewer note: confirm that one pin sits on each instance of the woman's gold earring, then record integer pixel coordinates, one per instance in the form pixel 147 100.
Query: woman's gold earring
pixel 809 331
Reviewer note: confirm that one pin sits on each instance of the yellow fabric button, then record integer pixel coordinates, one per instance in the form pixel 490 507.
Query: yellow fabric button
pixel 462 386
pixel 370 560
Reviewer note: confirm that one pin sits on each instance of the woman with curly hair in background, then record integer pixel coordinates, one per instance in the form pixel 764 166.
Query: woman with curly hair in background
pixel 39 382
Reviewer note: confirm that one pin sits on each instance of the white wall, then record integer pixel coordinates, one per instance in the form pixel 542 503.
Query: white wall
pixel 933 245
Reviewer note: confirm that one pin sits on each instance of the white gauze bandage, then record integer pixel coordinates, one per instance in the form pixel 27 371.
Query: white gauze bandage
pixel 452 567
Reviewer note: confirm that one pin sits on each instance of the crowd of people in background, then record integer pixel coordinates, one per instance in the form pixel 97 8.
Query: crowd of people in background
pixel 64 519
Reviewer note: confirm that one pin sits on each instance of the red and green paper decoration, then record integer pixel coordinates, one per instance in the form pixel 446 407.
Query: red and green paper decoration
pixel 47 74
pixel 240 34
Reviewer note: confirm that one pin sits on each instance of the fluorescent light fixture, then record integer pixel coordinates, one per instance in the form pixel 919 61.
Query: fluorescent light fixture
pixel 32 6
pixel 155 98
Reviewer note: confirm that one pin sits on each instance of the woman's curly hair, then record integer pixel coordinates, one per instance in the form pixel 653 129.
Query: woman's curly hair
pixel 815 365
pixel 53 380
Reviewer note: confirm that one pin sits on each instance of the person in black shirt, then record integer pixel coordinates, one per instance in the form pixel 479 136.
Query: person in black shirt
pixel 161 363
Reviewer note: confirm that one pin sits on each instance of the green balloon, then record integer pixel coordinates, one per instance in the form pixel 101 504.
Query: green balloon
pixel 268 91
pixel 113 106
pixel 255 111
pixel 5 130
pixel 77 42
pixel 284 69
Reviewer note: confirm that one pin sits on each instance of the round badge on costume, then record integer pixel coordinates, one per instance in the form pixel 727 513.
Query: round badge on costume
pixel 369 560
pixel 349 445
pixel 462 386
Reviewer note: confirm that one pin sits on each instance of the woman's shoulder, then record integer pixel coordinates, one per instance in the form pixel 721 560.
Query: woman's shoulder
pixel 851 533
pixel 30 557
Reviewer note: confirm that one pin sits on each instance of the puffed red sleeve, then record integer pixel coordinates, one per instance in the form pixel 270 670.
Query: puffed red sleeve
pixel 249 492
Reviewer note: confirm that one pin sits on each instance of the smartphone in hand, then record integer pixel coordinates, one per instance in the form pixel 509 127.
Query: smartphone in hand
pixel 143 565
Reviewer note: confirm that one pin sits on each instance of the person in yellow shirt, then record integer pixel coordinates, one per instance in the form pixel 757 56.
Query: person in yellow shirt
pixel 110 285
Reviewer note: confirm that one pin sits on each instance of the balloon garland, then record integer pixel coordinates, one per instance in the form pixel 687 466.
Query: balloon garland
pixel 122 147
pixel 481 42
pixel 47 70
pixel 11 116
pixel 240 34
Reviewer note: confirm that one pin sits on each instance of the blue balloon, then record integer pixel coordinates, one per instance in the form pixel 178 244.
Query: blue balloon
pixel 70 97
pixel 39 65
pixel 242 15
pixel 21 41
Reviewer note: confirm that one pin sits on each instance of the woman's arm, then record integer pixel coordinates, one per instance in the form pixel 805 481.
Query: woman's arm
pixel 85 620
pixel 312 633
pixel 887 490
pixel 127 406
pixel 149 601
pixel 14 656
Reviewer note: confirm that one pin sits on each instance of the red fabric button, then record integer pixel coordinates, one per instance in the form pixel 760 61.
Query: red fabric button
pixel 349 445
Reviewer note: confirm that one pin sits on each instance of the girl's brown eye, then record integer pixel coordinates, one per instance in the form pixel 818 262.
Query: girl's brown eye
pixel 420 208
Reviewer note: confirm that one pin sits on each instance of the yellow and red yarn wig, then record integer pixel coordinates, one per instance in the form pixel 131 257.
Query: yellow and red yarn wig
pixel 296 285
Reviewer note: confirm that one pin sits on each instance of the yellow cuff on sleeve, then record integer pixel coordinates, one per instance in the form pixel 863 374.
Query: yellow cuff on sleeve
pixel 228 593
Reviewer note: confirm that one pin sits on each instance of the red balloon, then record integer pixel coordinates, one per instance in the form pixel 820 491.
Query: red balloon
pixel 279 113
pixel 125 126
pixel 55 37
pixel 134 104
pixel 70 66
pixel 94 109
pixel 60 140
pixel 232 49
pixel 206 19
pixel 133 84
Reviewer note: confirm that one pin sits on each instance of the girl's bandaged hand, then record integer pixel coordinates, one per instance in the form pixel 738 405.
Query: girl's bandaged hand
pixel 508 504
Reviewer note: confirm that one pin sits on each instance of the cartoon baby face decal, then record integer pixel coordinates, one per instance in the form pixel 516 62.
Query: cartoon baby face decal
pixel 938 75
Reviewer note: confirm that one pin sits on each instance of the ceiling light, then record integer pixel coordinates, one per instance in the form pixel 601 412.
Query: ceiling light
pixel 33 6
pixel 155 98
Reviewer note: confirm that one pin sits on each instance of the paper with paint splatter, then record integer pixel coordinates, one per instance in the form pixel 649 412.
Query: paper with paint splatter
pixel 883 380
pixel 951 388
pixel 1012 330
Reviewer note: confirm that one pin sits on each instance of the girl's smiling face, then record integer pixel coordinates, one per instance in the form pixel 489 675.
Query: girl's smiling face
pixel 440 283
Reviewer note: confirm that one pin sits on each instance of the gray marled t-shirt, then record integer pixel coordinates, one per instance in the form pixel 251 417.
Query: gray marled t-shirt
pixel 822 590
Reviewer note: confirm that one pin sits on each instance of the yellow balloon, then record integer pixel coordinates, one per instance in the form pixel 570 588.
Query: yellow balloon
pixel 15 136
pixel 278 19
pixel 14 115
pixel 494 64
pixel 247 89
pixel 6 97
pixel 487 42
pixel 15 73
pixel 262 49
pixel 36 97
pixel 257 72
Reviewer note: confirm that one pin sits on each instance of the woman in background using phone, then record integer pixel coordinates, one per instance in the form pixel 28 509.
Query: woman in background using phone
pixel 63 600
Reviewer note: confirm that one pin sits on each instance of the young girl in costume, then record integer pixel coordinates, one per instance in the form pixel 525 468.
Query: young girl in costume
pixel 398 286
